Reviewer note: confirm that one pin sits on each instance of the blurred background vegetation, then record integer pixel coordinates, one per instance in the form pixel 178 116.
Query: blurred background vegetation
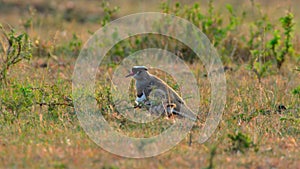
pixel 239 29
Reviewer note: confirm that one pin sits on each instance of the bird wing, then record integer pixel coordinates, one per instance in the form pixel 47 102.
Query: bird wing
pixel 171 92
pixel 144 88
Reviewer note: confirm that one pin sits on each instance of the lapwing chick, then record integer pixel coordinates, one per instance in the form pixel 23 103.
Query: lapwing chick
pixel 157 95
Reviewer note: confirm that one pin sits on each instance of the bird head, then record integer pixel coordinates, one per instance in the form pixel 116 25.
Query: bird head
pixel 138 72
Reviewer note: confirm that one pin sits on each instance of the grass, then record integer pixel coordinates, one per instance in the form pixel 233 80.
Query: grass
pixel 39 128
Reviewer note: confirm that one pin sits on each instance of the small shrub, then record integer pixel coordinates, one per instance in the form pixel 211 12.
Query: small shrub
pixel 296 91
pixel 211 158
pixel 108 12
pixel 241 142
pixel 28 21
pixel 75 44
pixel 18 48
pixel 17 100
pixel 281 50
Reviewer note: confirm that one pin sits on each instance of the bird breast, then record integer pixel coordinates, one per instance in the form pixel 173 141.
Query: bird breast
pixel 142 98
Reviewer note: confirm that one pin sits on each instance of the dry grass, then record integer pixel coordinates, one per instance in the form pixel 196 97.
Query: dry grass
pixel 54 139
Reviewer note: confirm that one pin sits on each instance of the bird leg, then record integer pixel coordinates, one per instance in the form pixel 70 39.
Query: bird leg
pixel 169 108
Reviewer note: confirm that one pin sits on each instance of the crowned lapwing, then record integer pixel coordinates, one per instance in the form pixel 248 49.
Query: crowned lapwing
pixel 150 86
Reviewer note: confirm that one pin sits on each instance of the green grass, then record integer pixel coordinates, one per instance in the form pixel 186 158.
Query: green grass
pixel 39 127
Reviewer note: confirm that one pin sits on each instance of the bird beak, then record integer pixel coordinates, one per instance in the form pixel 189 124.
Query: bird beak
pixel 130 74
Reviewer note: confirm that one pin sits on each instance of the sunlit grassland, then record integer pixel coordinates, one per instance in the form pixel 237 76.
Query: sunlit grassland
pixel 39 127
